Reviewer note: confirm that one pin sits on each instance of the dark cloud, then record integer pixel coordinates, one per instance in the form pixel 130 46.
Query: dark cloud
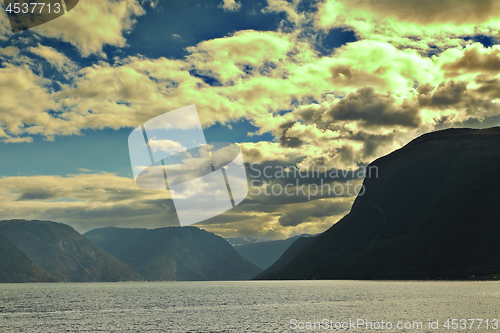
pixel 489 87
pixel 36 194
pixel 288 141
pixel 253 154
pixel 472 122
pixel 456 95
pixel 474 61
pixel 424 89
pixel 146 214
pixel 231 217
pixel 372 109
pixel 371 142
pixel 319 210
pixel 347 76
pixel 443 95
pixel 310 115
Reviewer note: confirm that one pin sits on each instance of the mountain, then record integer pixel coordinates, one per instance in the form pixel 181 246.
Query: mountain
pixel 243 240
pixel 174 253
pixel 15 266
pixel 264 254
pixel 293 250
pixel 432 213
pixel 64 253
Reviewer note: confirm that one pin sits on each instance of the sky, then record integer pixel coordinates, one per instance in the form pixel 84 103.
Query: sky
pixel 304 84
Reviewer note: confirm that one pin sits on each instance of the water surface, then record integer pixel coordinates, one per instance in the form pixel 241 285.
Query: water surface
pixel 247 306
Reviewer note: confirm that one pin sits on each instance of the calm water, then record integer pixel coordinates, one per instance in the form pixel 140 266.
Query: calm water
pixel 242 306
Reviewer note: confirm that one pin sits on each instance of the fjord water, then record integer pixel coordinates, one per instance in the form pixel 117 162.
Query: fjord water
pixel 244 306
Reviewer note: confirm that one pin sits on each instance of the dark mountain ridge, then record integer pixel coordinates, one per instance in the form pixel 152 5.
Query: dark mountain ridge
pixel 15 266
pixel 264 254
pixel 64 253
pixel 293 250
pixel 174 253
pixel 432 213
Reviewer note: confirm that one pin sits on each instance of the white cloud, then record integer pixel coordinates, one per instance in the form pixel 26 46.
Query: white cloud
pixel 166 146
pixel 25 100
pixel 94 23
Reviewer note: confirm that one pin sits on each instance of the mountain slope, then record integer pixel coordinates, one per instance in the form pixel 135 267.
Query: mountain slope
pixel 298 246
pixel 174 253
pixel 64 253
pixel 15 266
pixel 264 254
pixel 433 213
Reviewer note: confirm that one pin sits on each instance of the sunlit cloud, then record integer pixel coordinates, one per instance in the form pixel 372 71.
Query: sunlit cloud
pixel 55 58
pixel 94 23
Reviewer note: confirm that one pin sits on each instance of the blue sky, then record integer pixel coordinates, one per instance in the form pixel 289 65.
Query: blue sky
pixel 96 150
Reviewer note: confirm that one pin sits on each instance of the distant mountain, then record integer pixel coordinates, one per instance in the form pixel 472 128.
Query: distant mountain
pixel 293 250
pixel 243 240
pixel 64 253
pixel 175 253
pixel 15 266
pixel 432 213
pixel 264 254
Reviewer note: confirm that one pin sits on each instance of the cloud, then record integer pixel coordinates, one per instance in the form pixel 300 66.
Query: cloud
pixel 85 201
pixel 25 101
pixel 259 73
pixel 94 200
pixel 455 97
pixel 373 109
pixel 290 8
pixel 231 58
pixel 348 76
pixel 5 30
pixel 309 213
pixel 230 5
pixel 264 151
pixel 36 194
pixel 429 11
pixel 94 23
pixel 475 59
pixel 289 141
pixel 427 26
pixel 9 51
pixel 277 221
pixel 166 146
pixel 353 105
pixel 362 101
pixel 488 87
pixel 55 58
pixel 8 139
pixel 12 55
